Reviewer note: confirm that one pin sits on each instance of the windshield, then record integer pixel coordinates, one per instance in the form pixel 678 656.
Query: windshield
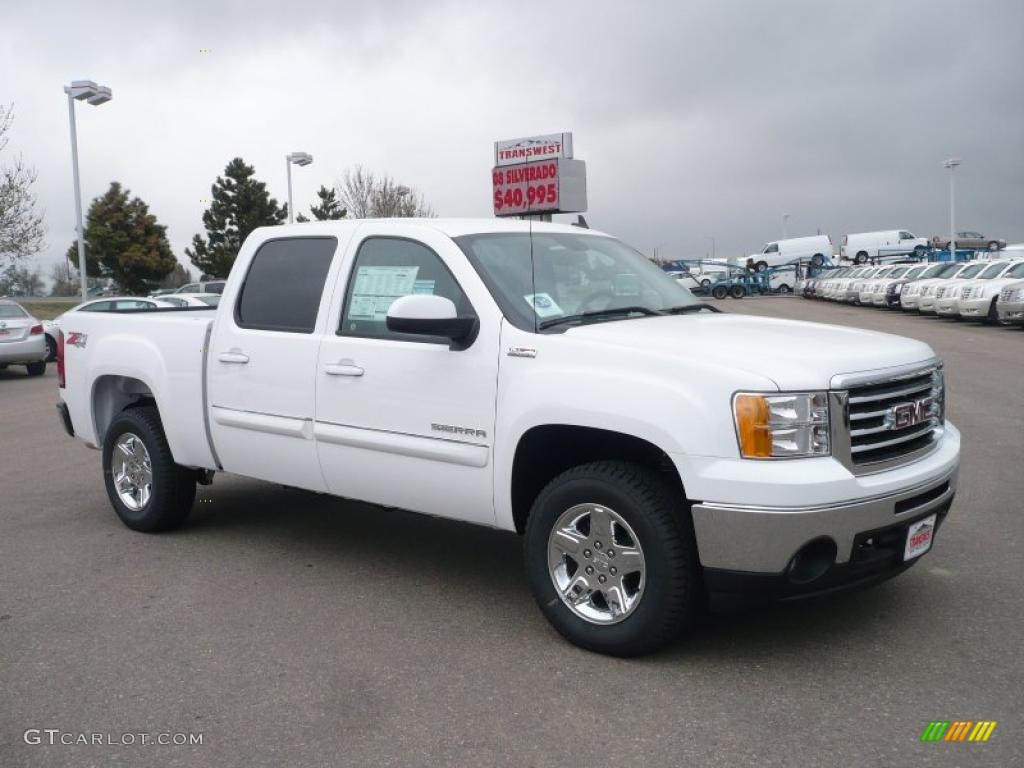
pixel 897 272
pixel 971 271
pixel 992 271
pixel 571 275
pixel 935 270
pixel 211 299
pixel 1017 271
pixel 11 311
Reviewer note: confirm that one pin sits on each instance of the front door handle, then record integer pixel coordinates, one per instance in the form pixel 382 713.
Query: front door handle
pixel 234 356
pixel 343 368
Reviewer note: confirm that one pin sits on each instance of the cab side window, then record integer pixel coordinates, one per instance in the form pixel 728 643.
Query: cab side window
pixel 284 284
pixel 385 269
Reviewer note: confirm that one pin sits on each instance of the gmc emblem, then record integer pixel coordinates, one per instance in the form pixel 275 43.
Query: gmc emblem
pixel 903 415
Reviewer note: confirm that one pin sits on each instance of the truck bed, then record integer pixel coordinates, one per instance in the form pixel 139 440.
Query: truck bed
pixel 127 353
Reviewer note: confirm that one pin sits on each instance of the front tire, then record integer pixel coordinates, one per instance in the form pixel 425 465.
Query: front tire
pixel 762 266
pixel 51 349
pixel 737 291
pixel 611 558
pixel 993 246
pixel 861 258
pixel 720 292
pixel 148 491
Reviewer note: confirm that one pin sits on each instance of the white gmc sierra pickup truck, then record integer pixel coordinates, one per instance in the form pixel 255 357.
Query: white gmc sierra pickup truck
pixel 538 378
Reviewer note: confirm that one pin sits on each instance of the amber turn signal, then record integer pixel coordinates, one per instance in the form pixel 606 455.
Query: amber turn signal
pixel 752 426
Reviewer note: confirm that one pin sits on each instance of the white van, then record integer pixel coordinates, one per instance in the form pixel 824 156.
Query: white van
pixel 863 246
pixel 816 249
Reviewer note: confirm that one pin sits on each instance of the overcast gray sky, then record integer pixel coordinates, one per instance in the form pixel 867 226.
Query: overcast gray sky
pixel 697 119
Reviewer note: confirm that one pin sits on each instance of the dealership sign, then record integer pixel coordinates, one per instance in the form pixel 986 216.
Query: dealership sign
pixel 538 175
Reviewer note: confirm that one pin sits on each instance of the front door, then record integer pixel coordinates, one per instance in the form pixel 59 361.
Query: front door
pixel 262 362
pixel 401 420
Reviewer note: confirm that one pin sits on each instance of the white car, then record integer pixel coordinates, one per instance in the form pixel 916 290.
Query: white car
pixel 884 291
pixel 21 339
pixel 540 379
pixel 851 294
pixel 106 304
pixel 207 300
pixel 917 292
pixel 866 294
pixel 862 247
pixel 978 298
pixel 931 294
pixel 887 292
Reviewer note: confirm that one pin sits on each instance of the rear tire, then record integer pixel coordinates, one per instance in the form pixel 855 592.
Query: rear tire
pixel 993 246
pixel 761 266
pixel 784 289
pixel 171 488
pixel 861 258
pixel 36 369
pixel 737 291
pixel 51 349
pixel 669 590
pixel 720 292
pixel 818 260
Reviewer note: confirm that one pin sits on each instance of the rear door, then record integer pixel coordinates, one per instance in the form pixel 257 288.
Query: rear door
pixel 262 361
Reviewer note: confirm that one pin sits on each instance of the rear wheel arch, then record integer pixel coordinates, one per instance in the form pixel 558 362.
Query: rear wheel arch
pixel 112 394
pixel 546 451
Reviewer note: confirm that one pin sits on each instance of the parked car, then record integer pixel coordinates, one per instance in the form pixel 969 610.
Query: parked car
pixel 1010 305
pixel 851 293
pixel 930 293
pixel 192 299
pixel 21 339
pixel 862 247
pixel 914 293
pixel 476 370
pixel 970 240
pixel 891 289
pixel 111 304
pixel 948 295
pixel 866 294
pixel 978 299
pixel 817 249
pixel 209 286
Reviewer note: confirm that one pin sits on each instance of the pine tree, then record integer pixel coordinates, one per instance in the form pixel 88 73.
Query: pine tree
pixel 124 241
pixel 329 207
pixel 240 205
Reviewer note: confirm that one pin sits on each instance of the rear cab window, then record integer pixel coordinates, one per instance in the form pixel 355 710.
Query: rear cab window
pixel 284 284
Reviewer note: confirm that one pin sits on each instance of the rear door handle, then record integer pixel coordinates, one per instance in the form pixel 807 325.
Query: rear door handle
pixel 234 356
pixel 343 368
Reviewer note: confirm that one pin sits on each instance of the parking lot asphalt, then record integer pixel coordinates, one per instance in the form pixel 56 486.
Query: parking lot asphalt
pixel 291 629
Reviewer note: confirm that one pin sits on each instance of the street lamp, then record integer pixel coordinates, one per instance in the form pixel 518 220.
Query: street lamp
pixel 299 158
pixel 785 218
pixel 708 237
pixel 654 256
pixel 951 164
pixel 82 90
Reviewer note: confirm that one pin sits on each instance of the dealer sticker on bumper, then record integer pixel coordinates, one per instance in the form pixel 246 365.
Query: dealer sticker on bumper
pixel 919 537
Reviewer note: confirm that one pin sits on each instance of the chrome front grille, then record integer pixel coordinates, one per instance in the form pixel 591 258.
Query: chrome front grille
pixel 887 419
pixel 965 293
pixel 1006 295
pixel 940 292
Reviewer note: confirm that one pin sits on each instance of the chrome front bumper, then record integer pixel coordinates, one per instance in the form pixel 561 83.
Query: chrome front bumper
pixel 1011 312
pixel 764 539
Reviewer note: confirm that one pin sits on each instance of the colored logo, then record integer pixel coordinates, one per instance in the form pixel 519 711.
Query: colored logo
pixel 958 730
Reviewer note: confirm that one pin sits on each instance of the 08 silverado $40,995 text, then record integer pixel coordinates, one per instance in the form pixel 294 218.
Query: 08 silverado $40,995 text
pixel 539 378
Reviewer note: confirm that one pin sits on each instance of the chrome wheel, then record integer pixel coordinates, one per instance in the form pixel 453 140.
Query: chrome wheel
pixel 132 471
pixel 596 563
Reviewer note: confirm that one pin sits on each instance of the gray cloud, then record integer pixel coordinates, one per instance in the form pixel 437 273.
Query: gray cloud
pixel 699 119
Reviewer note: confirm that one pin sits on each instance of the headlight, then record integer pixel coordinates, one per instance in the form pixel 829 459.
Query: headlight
pixel 783 426
pixel 938 395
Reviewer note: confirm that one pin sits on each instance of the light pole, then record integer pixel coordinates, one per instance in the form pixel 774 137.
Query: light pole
pixel 708 237
pixel 654 257
pixel 299 158
pixel 785 218
pixel 95 95
pixel 951 164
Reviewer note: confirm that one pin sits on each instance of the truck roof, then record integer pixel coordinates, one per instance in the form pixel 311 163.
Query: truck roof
pixel 451 227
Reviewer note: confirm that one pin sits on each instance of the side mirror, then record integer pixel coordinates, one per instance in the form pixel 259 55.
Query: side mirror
pixel 429 315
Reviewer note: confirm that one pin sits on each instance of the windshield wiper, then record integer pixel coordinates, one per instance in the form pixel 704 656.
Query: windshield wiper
pixel 596 314
pixel 683 309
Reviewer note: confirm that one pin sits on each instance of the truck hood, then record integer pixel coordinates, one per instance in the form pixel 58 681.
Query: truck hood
pixel 795 355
